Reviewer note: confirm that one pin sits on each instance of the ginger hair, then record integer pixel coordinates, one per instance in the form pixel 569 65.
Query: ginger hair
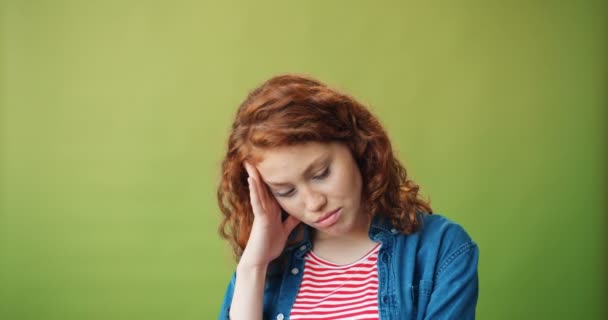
pixel 292 109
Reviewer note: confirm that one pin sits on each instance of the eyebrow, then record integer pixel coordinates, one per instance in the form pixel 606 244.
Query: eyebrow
pixel 307 172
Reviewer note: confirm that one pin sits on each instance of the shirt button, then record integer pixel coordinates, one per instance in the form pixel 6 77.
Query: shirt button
pixel 385 299
pixel 384 257
pixel 302 248
pixel 393 230
pixel 280 316
pixel 294 271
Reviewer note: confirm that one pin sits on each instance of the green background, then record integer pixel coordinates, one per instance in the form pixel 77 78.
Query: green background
pixel 114 118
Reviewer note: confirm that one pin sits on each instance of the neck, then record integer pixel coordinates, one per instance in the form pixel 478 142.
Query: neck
pixel 345 248
pixel 358 232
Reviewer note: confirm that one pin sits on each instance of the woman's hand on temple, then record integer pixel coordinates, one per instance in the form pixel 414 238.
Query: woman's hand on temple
pixel 268 232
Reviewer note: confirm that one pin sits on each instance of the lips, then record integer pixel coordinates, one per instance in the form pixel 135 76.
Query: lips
pixel 328 218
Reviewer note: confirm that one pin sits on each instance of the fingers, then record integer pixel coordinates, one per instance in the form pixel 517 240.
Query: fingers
pixel 249 168
pixel 253 195
pixel 257 190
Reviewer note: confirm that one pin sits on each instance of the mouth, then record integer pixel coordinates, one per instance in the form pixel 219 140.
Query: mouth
pixel 329 218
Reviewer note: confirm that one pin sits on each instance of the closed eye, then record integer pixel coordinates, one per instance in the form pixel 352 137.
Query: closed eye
pixel 322 175
pixel 285 194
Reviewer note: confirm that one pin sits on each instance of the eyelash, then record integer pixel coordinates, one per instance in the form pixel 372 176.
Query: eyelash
pixel 320 176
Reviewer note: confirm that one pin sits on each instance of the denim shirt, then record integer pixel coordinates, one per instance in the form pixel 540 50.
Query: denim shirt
pixel 430 274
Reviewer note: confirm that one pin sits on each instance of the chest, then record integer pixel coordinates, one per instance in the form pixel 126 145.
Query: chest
pixel 332 291
pixel 385 285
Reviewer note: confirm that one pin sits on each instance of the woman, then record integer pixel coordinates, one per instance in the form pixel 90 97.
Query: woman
pixel 325 223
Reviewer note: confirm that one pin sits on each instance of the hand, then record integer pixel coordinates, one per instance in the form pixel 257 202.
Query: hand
pixel 268 233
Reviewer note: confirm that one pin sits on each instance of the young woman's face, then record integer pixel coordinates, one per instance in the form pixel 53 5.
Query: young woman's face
pixel 318 183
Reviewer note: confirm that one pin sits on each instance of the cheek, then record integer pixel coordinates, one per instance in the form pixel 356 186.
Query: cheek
pixel 290 207
pixel 347 185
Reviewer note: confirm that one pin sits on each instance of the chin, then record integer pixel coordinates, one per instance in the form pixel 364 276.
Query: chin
pixel 337 230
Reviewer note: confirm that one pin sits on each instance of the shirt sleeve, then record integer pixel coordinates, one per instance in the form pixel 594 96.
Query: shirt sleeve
pixel 225 310
pixel 455 291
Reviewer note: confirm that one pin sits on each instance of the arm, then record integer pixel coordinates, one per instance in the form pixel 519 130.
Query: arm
pixel 248 292
pixel 266 242
pixel 248 295
pixel 456 286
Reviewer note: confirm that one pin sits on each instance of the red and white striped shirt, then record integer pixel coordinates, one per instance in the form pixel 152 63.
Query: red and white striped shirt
pixel 331 291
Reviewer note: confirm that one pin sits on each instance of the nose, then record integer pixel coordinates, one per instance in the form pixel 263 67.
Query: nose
pixel 314 200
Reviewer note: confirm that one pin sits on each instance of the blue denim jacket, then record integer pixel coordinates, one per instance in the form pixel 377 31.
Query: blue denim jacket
pixel 431 274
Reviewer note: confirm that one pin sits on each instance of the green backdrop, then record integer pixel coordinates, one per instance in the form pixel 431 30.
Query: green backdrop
pixel 114 118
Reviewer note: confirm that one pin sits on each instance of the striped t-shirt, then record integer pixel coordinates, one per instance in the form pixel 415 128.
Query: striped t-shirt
pixel 331 291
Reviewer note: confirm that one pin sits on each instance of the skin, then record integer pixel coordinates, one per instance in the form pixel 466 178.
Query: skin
pixel 318 184
pixel 310 181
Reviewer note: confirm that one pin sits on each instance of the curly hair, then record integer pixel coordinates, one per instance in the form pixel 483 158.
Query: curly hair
pixel 293 109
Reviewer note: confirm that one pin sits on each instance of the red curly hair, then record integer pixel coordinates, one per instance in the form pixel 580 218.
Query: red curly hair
pixel 293 109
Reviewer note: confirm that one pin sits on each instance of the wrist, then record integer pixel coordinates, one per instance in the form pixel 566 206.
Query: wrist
pixel 251 268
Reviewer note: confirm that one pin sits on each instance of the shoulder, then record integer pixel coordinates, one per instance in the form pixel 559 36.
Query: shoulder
pixel 435 227
pixel 443 241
